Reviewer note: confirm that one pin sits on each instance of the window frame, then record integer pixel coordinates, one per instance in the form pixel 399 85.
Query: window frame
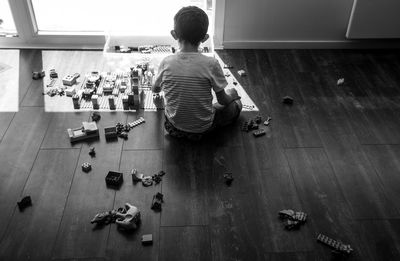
pixel 30 37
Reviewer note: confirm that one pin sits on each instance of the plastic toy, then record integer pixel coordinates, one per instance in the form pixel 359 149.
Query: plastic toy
pixel 287 100
pixel 129 218
pixel 137 122
pixel 340 81
pixel 76 102
pixel 38 75
pixel 88 130
pixel 338 246
pixel 95 116
pixel 95 102
pixel 268 121
pixel 248 107
pixel 157 177
pixel 110 132
pixel 147 181
pixel 147 239
pixel 228 178
pixel 227 66
pixel 104 218
pixel 242 73
pixel 123 135
pixel 114 179
pixel 92 152
pixel 136 177
pixel 24 203
pixel 53 74
pixel 70 79
pixel 249 125
pixel 70 91
pixel 158 199
pixel 259 133
pixel 258 119
pixel 86 167
pixel 293 219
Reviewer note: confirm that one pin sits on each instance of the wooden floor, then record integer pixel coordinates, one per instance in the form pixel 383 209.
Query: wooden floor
pixel 334 154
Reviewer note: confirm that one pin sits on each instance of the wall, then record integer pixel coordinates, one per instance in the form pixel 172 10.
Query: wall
pixel 285 23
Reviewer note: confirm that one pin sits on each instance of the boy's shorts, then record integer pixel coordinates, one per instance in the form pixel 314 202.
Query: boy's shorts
pixel 223 116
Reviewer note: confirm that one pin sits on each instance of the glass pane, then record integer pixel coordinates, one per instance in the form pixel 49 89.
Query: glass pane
pixel 139 17
pixel 7 25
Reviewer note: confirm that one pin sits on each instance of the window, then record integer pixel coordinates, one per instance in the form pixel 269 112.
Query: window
pixel 85 23
pixel 7 25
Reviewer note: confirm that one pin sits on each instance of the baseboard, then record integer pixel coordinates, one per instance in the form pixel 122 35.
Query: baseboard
pixel 341 44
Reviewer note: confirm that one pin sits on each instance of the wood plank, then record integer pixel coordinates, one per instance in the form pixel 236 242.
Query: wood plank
pixel 32 233
pixel 386 161
pixel 149 135
pixel 57 135
pixel 184 243
pixel 357 178
pixel 5 121
pixel 77 237
pixel 379 238
pixel 18 151
pixel 125 246
pixel 188 165
pixel 321 197
pixel 34 96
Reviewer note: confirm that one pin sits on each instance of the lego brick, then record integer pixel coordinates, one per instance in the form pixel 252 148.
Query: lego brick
pixel 114 179
pixel 287 100
pixel 228 178
pixel 259 133
pixel 95 102
pixel 110 132
pixel 147 239
pixel 86 167
pixel 24 203
pixel 38 75
pixel 70 91
pixel 111 102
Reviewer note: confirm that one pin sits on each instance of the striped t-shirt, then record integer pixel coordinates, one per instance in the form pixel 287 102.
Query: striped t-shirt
pixel 187 80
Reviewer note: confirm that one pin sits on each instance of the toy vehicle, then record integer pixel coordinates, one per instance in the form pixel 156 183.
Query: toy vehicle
pixel 88 130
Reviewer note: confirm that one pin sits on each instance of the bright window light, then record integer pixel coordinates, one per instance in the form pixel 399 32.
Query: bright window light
pixel 138 17
pixel 7 25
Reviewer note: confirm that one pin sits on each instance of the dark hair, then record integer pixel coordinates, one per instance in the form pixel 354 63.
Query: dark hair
pixel 191 24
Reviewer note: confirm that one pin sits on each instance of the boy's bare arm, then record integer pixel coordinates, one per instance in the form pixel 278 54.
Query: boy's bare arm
pixel 228 96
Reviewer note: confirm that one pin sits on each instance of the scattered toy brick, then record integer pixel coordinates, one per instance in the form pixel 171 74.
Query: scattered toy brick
pixel 259 133
pixel 228 178
pixel 147 239
pixel 136 177
pixel 242 73
pixel 338 246
pixel 147 181
pixel 268 121
pixel 258 119
pixel 287 100
pixel 92 152
pixel 114 179
pixel 38 75
pixel 340 81
pixel 24 203
pixel 292 219
pixel 235 83
pixel 228 66
pixel 86 167
pixel 158 199
pixel 157 177
pixel 95 116
pixel 248 107
pixel 53 73
pixel 290 224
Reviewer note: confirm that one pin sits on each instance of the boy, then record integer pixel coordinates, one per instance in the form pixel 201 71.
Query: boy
pixel 187 78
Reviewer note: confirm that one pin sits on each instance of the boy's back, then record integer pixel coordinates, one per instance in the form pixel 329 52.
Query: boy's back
pixel 187 79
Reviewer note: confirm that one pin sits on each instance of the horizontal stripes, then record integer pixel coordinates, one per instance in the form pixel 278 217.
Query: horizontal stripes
pixel 187 82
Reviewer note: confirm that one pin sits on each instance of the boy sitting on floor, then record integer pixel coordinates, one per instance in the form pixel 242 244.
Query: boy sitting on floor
pixel 187 79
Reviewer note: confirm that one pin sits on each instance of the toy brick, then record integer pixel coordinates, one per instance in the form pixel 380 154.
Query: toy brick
pixel 76 102
pixel 92 152
pixel 114 179
pixel 136 177
pixel 95 101
pixel 287 100
pixel 147 181
pixel 24 203
pixel 86 167
pixel 259 133
pixel 110 132
pixel 228 178
pixel 70 91
pixel 147 239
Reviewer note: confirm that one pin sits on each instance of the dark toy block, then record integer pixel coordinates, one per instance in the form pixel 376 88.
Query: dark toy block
pixel 86 167
pixel 92 152
pixel 147 181
pixel 228 178
pixel 114 179
pixel 38 75
pixel 110 132
pixel 158 199
pixel 338 246
pixel 24 203
pixel 95 116
pixel 287 100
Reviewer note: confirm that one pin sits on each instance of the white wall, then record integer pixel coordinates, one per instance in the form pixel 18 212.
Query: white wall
pixel 284 23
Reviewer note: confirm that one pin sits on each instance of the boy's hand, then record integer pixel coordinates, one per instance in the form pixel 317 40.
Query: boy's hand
pixel 233 93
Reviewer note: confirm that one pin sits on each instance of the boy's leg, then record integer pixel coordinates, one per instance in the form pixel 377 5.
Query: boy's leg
pixel 225 115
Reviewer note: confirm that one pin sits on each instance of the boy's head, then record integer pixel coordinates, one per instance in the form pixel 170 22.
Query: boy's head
pixel 190 25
